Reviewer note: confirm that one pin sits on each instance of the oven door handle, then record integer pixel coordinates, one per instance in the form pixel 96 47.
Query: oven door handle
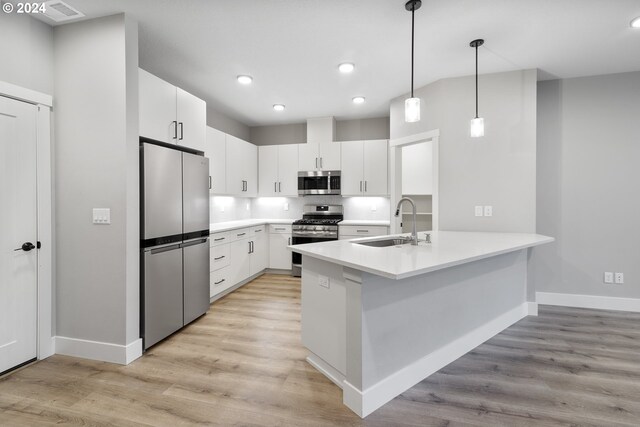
pixel 313 233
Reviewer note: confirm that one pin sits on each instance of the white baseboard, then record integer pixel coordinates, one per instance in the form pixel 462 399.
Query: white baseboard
pixel 365 402
pixel 95 350
pixel 589 301
pixel 330 372
pixel 532 308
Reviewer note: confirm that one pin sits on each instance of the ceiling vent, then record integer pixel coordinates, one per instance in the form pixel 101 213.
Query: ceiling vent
pixel 59 11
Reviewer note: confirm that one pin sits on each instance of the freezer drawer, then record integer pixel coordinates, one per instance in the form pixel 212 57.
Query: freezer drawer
pixel 162 293
pixel 196 278
pixel 162 191
pixel 195 187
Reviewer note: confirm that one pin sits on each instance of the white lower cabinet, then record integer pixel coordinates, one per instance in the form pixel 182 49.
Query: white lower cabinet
pixel 237 255
pixel 259 249
pixel 279 239
pixel 348 232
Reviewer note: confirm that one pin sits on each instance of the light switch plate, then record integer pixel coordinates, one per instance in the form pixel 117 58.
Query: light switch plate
pixel 286 206
pixel 488 211
pixel 479 211
pixel 102 216
pixel 608 277
pixel 323 281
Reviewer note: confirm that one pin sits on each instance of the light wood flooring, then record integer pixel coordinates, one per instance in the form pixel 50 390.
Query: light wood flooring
pixel 243 365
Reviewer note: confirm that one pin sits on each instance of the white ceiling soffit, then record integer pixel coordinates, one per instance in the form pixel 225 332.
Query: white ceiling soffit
pixel 292 48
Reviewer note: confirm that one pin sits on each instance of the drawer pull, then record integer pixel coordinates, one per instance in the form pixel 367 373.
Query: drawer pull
pixel 241 234
pixel 220 257
pixel 217 283
pixel 218 239
pixel 280 229
pixel 362 231
pixel 259 230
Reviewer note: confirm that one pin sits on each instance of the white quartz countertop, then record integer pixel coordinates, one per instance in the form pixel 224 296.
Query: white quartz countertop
pixel 448 249
pixel 234 225
pixel 364 222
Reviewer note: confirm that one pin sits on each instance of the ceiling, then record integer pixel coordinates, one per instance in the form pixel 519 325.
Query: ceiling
pixel 292 47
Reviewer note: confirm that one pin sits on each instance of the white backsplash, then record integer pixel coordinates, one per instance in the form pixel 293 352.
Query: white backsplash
pixel 355 208
pixel 225 208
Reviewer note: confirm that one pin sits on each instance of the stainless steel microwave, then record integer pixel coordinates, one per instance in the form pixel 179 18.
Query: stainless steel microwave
pixel 318 182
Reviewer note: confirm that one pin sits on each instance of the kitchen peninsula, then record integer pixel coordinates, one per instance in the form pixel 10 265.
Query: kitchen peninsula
pixel 378 320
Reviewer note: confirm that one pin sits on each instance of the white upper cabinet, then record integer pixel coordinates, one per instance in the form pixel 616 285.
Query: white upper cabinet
pixel 278 170
pixel 364 170
pixel 169 114
pixel 215 150
pixel 192 120
pixel 319 156
pixel 157 108
pixel 241 167
pixel 417 169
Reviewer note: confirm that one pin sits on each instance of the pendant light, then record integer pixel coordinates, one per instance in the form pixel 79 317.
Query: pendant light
pixel 477 123
pixel 412 105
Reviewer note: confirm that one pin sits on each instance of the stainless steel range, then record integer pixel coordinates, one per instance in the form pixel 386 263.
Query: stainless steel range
pixel 319 223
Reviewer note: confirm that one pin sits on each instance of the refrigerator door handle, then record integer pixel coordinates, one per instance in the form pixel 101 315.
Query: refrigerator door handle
pixel 193 243
pixel 164 249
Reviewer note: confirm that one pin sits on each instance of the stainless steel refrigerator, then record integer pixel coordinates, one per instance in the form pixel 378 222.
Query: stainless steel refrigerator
pixel 174 239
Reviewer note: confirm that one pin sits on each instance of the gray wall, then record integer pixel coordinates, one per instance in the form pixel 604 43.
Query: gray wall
pixel 498 169
pixel 346 130
pixel 588 185
pixel 96 128
pixel 227 125
pixel 27 52
pixel 295 133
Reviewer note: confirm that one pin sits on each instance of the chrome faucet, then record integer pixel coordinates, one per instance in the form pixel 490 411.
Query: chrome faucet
pixel 414 233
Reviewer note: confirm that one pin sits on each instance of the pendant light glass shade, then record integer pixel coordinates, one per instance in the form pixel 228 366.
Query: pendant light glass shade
pixel 477 127
pixel 412 110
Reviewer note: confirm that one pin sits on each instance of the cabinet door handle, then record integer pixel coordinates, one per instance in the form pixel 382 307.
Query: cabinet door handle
pixel 210 183
pixel 320 162
pixel 219 239
pixel 217 283
pixel 181 131
pixel 361 186
pixel 289 241
pixel 175 129
pixel 279 187
pixel 217 258
pixel 365 186
pixel 316 163
pixel 241 234
pixel 258 230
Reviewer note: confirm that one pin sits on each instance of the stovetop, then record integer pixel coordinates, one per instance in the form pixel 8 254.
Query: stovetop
pixel 318 221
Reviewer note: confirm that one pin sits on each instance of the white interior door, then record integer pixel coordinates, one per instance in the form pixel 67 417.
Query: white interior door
pixel 18 233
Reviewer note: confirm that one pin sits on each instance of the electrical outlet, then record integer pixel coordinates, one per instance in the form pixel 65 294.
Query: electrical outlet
pixel 323 281
pixel 248 206
pixel 479 211
pixel 488 211
pixel 608 277
pixel 286 206
pixel 619 278
pixel 374 208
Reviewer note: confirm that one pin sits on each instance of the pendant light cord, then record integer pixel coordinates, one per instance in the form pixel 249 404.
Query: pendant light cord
pixel 476 80
pixel 413 12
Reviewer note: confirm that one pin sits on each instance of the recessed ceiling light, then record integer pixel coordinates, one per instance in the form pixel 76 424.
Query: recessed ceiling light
pixel 635 23
pixel 346 67
pixel 358 100
pixel 278 107
pixel 245 80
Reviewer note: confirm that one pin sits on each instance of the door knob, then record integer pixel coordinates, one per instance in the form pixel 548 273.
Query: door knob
pixel 26 247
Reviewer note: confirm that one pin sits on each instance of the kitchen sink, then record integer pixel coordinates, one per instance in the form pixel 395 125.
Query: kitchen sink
pixel 397 241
